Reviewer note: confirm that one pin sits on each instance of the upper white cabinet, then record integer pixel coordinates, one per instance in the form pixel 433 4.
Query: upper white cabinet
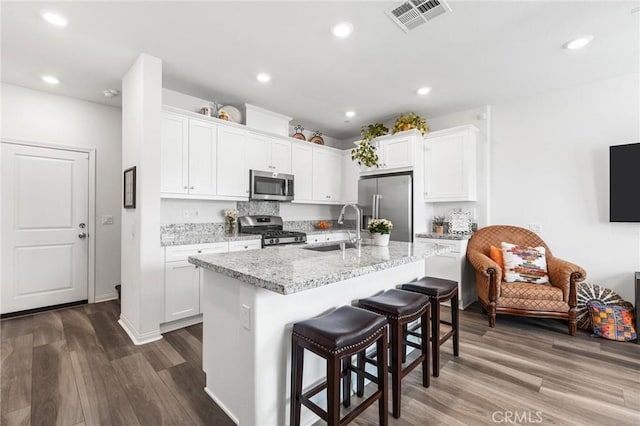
pixel 302 170
pixel 327 175
pixel 268 154
pixel 174 154
pixel 233 174
pixel 397 151
pixel 188 156
pixel 450 165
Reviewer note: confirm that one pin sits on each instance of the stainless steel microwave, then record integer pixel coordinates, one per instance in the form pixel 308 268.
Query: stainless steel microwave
pixel 270 186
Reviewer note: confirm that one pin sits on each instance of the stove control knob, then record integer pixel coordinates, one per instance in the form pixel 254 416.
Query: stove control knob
pixel 277 240
pixel 271 241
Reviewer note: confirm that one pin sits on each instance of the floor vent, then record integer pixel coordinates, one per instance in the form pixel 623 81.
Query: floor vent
pixel 411 14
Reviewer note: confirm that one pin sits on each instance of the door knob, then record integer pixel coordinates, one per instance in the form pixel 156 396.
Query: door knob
pixel 82 235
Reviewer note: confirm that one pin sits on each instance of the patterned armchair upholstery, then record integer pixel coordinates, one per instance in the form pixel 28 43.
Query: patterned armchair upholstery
pixel 557 300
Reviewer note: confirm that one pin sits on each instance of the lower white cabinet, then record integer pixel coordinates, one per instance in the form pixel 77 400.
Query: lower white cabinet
pixel 453 266
pixel 183 280
pixel 327 237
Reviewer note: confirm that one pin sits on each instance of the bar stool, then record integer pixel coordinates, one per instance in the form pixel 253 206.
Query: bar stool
pixel 401 308
pixel 335 337
pixel 439 290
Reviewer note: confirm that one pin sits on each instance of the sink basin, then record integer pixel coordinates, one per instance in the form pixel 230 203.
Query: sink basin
pixel 330 247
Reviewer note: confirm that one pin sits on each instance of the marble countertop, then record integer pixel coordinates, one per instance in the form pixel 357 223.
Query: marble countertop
pixel 291 269
pixel 443 236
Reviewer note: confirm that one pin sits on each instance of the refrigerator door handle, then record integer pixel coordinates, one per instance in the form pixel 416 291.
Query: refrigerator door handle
pixel 374 209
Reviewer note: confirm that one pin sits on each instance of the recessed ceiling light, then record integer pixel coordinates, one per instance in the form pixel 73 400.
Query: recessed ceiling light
pixel 111 93
pixel 263 77
pixel 54 19
pixel 578 43
pixel 50 79
pixel 423 90
pixel 342 29
pixel 350 114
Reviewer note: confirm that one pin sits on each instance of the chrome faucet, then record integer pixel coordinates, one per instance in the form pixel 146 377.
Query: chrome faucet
pixel 358 221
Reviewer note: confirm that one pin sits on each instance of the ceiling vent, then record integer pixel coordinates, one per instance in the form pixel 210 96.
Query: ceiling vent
pixel 411 14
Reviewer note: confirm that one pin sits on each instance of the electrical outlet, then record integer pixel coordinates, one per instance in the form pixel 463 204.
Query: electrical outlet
pixel 107 219
pixel 535 227
pixel 245 317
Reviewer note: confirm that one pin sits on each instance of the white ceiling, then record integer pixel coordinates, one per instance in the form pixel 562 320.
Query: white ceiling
pixel 480 53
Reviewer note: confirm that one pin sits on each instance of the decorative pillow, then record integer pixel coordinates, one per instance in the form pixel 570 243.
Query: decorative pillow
pixel 612 322
pixel 496 255
pixel 528 264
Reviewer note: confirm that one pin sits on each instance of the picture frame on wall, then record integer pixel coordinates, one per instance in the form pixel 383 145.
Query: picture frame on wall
pixel 130 188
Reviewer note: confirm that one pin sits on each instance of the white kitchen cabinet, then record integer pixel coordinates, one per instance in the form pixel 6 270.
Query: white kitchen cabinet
pixel 397 152
pixel 202 158
pixel 302 170
pixel 232 172
pixel 183 280
pixel 188 156
pixel 244 245
pixel 268 154
pixel 174 154
pixel 453 266
pixel 327 175
pixel 450 165
pixel 350 175
pixel 328 237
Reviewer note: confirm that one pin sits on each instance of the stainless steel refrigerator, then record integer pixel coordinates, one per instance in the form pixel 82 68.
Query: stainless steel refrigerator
pixel 388 196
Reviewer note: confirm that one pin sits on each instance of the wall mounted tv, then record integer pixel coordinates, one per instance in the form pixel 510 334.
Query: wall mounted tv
pixel 624 183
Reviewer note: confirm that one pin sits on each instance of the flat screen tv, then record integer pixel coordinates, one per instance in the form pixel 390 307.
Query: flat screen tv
pixel 624 183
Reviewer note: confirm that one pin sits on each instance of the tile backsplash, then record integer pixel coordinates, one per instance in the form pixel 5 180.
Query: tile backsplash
pixel 250 208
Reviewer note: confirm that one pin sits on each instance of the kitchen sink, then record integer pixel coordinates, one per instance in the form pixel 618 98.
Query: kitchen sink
pixel 331 247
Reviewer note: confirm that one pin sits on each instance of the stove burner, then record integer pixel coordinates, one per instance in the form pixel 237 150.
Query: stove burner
pixel 270 227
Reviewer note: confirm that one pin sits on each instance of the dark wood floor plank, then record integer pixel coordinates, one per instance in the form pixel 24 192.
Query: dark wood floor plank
pixel 54 395
pixel 187 346
pixel 47 328
pixel 20 417
pixel 15 378
pixel 196 331
pixel 78 331
pixel 103 398
pixel 14 327
pixel 187 383
pixel 112 337
pixel 161 355
pixel 152 401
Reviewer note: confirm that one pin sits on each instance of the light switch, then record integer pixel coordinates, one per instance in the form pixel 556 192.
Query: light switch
pixel 107 219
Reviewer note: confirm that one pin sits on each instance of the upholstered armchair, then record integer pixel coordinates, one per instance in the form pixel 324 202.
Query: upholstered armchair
pixel 557 300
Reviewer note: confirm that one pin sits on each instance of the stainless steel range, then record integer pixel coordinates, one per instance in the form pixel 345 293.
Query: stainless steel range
pixel 270 227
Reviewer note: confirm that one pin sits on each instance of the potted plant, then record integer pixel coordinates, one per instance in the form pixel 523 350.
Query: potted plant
pixel 381 230
pixel 410 121
pixel 366 154
pixel 438 224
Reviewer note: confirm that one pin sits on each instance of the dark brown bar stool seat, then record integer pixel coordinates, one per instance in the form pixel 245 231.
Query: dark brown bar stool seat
pixel 439 290
pixel 335 337
pixel 400 307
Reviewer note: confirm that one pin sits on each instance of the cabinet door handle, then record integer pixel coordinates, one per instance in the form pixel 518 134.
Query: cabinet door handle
pixel 246 247
pixel 199 251
pixel 186 187
pixel 191 187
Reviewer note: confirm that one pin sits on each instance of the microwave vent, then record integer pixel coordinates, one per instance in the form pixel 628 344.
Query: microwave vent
pixel 411 14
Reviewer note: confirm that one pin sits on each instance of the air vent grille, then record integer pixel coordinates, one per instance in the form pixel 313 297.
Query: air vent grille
pixel 413 13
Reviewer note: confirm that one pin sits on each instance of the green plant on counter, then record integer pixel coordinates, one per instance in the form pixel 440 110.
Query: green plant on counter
pixel 365 154
pixel 438 220
pixel 410 121
pixel 373 131
pixel 380 226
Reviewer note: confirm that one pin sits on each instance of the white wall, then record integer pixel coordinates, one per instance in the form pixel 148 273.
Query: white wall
pixel 31 115
pixel 142 255
pixel 550 166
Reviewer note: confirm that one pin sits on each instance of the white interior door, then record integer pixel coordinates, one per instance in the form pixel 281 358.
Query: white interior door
pixel 45 209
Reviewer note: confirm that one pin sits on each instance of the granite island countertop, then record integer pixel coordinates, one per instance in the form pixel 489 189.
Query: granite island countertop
pixel 443 236
pixel 291 269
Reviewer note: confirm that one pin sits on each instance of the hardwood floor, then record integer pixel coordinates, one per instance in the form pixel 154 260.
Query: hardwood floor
pixel 76 366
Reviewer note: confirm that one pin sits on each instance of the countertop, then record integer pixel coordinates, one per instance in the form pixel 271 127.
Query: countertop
pixel 180 240
pixel 443 236
pixel 291 269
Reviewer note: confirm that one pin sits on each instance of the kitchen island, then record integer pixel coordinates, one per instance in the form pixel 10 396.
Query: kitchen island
pixel 251 300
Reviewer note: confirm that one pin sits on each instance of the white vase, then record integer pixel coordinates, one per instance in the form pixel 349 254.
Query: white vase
pixel 380 239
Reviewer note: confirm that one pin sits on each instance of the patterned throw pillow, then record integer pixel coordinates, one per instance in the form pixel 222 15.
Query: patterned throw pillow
pixel 527 264
pixel 612 322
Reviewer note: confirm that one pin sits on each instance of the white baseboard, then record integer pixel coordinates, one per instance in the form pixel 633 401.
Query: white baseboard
pixel 181 323
pixel 219 403
pixel 137 338
pixel 105 297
